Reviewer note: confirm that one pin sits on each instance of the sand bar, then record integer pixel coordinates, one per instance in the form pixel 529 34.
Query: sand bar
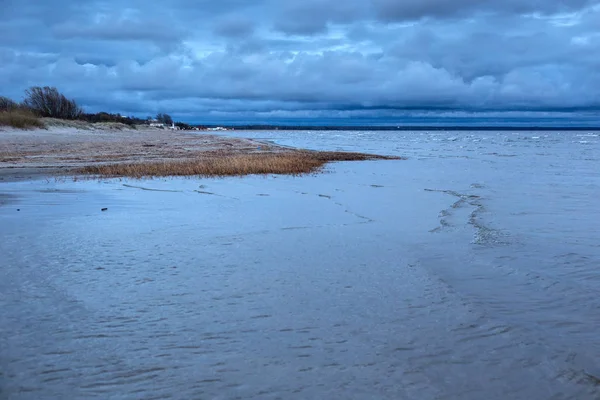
pixel 27 154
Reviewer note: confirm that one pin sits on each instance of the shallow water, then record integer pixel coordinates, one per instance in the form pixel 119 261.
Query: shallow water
pixel 468 271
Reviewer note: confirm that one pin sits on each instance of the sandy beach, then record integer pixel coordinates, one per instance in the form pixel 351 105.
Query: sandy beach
pixel 115 150
pixel 29 154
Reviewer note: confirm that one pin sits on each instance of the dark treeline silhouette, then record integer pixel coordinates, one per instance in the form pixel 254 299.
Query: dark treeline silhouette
pixel 49 102
pixel 164 118
pixel 42 102
pixel 184 126
pixel 106 117
pixel 7 104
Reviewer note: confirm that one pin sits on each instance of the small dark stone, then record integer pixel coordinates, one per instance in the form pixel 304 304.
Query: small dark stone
pixel 18 209
pixel 104 209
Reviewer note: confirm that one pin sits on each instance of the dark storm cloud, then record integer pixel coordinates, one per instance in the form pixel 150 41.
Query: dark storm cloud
pixel 416 9
pixel 311 17
pixel 234 26
pixel 120 30
pixel 306 57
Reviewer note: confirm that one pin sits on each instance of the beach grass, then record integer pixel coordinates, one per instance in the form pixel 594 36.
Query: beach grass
pixel 285 163
pixel 20 118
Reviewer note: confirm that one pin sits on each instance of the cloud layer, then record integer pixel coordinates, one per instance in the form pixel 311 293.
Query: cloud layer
pixel 306 57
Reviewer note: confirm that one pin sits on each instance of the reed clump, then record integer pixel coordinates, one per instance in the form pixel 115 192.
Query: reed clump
pixel 20 118
pixel 285 163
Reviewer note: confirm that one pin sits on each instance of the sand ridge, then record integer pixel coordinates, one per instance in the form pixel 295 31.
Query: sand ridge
pixel 27 153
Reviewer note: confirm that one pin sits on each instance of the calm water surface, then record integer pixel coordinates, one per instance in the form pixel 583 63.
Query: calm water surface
pixel 468 271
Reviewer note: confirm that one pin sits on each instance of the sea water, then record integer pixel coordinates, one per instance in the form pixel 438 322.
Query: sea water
pixel 469 270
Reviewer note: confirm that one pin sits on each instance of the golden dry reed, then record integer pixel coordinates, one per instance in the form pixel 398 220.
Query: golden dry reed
pixel 286 163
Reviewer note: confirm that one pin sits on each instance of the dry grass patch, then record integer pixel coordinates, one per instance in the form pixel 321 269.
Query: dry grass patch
pixel 67 123
pixel 115 126
pixel 20 118
pixel 286 163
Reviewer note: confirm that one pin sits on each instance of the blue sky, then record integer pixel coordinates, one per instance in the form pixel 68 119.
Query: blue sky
pixel 310 60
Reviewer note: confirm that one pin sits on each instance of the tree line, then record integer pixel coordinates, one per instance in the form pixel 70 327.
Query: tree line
pixel 48 102
pixel 44 102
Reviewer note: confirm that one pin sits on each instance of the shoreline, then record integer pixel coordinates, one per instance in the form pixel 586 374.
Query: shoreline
pixel 67 151
pixel 18 174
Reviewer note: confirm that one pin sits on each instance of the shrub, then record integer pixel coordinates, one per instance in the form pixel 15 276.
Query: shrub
pixel 20 118
pixel 49 102
pixel 7 104
pixel 106 117
pixel 164 118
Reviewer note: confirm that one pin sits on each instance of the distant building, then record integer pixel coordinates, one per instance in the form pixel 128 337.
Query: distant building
pixel 155 123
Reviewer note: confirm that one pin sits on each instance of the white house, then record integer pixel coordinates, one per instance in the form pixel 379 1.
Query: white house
pixel 156 124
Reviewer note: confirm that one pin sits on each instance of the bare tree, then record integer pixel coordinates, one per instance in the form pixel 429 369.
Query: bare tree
pixel 49 102
pixel 164 118
pixel 7 104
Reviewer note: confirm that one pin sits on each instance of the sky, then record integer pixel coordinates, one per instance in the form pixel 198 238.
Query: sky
pixel 310 60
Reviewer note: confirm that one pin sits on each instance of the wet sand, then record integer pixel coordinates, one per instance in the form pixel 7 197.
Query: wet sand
pixel 6 198
pixel 58 150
